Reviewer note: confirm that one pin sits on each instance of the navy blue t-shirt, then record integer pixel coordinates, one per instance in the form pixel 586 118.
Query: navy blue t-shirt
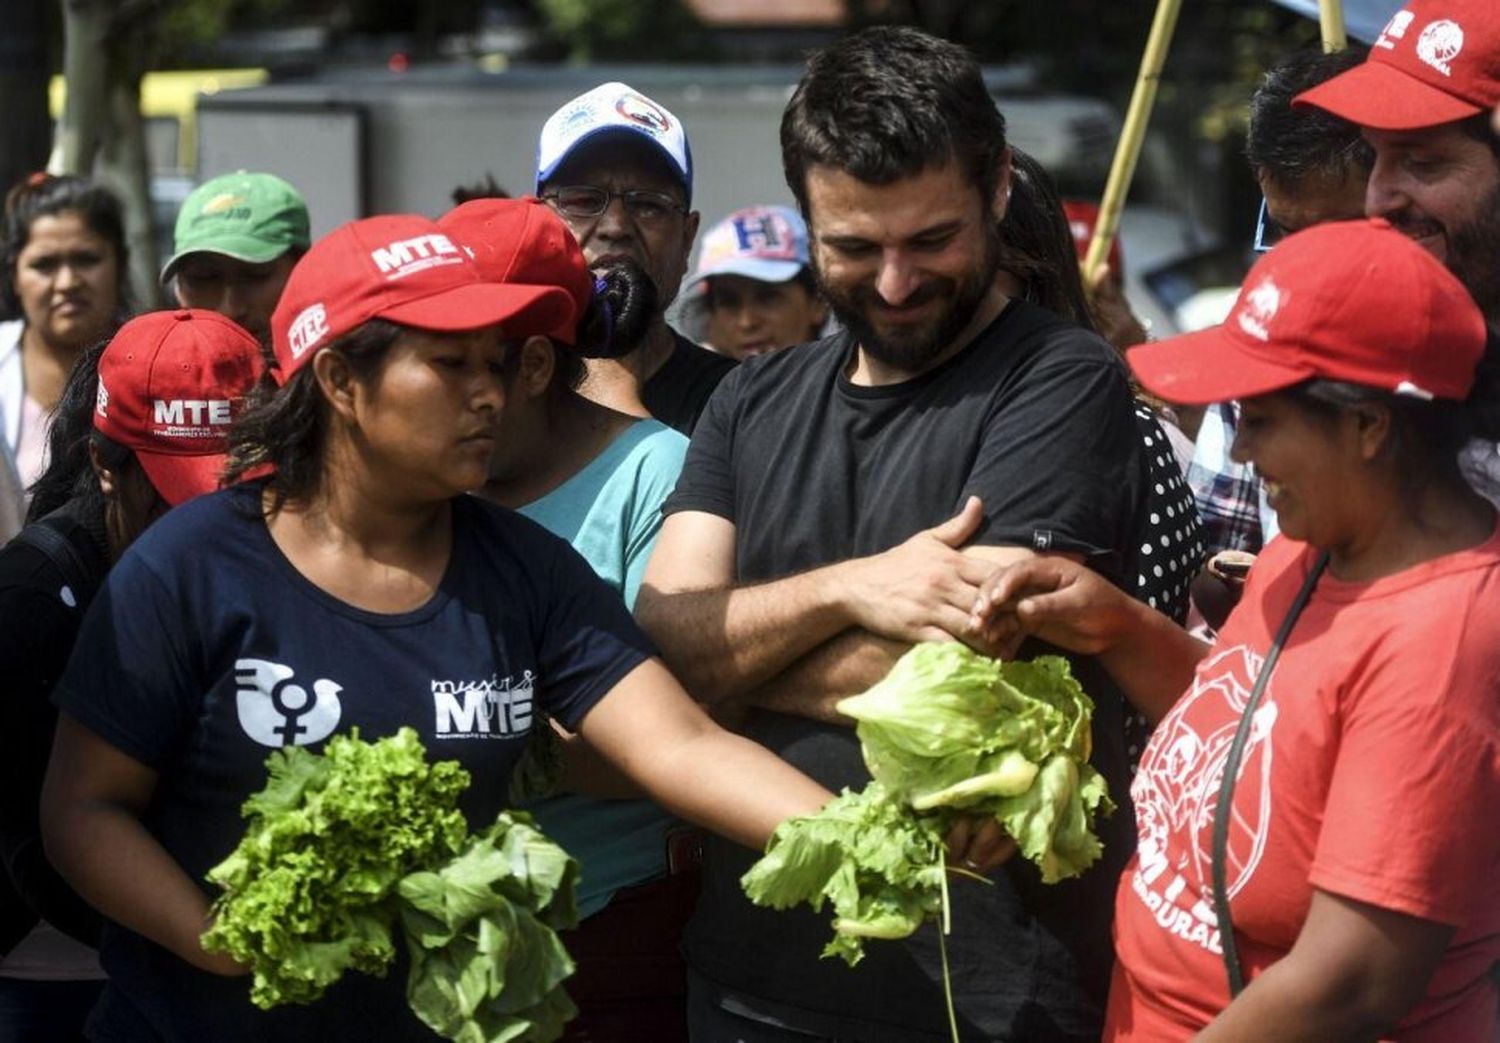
pixel 207 649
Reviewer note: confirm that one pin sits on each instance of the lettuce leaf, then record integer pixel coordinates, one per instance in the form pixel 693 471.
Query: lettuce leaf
pixel 309 891
pixel 877 864
pixel 949 728
pixel 486 963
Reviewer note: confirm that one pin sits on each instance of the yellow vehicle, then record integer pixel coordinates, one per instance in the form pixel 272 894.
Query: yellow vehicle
pixel 169 103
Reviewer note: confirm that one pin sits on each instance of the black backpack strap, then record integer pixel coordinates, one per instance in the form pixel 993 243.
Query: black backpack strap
pixel 59 550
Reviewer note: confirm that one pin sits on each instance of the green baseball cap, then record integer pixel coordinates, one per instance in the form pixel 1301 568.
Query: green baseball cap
pixel 251 217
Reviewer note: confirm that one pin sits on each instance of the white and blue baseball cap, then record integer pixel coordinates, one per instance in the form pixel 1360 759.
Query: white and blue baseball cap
pixel 612 108
pixel 766 243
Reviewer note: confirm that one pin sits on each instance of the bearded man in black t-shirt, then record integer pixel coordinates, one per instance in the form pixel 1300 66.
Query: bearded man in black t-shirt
pixel 843 499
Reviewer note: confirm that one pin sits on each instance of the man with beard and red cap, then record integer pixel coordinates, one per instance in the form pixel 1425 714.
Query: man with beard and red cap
pixel 839 502
pixel 1423 99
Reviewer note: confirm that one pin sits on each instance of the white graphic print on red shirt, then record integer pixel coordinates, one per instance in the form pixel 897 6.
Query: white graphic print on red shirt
pixel 1177 790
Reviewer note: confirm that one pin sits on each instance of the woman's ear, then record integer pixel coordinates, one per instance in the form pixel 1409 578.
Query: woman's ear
pixel 1372 426
pixel 538 360
pixel 336 381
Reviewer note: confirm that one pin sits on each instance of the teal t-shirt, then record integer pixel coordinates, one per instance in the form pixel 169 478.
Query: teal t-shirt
pixel 611 513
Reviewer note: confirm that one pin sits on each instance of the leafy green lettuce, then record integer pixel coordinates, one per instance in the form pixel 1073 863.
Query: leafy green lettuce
pixel 486 962
pixel 344 846
pixel 949 728
pixel 880 867
pixel 308 893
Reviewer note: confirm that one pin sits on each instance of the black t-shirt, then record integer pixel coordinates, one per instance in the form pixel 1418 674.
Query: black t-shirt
pixel 188 660
pixel 678 391
pixel 1036 418
pixel 41 608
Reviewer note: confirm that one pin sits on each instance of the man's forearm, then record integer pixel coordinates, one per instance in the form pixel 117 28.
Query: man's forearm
pixel 723 643
pixel 844 666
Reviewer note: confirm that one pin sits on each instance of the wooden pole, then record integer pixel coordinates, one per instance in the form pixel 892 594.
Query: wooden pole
pixel 1128 151
pixel 1331 19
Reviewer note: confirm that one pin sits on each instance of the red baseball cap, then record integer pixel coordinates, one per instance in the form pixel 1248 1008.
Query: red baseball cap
pixel 170 383
pixel 1435 61
pixel 1082 218
pixel 522 243
pixel 402 268
pixel 1354 301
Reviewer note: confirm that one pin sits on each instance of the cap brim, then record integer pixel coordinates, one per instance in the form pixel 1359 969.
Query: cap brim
pixel 545 174
pixel 251 251
pixel 1196 369
pixel 178 477
pixel 1383 97
pixel 755 268
pixel 519 310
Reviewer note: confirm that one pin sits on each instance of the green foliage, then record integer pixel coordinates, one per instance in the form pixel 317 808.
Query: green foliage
pixel 624 30
pixel 950 728
pixel 947 734
pixel 308 891
pixel 486 962
pixel 880 866
pixel 344 845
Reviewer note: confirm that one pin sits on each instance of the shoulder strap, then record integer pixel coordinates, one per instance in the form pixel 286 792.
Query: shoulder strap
pixel 1223 810
pixel 60 551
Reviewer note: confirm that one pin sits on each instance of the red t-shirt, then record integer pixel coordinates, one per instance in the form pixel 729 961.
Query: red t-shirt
pixel 1373 772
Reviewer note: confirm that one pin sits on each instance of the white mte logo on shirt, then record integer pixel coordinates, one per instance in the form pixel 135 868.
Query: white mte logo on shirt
pixel 276 711
pixel 491 709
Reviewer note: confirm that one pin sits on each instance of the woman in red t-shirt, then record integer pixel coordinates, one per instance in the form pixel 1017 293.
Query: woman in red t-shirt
pixel 1361 848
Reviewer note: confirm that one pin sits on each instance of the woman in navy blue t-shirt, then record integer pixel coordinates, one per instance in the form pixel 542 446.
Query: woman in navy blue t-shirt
pixel 346 583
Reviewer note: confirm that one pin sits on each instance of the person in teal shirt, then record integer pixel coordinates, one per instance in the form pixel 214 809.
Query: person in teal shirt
pixel 597 478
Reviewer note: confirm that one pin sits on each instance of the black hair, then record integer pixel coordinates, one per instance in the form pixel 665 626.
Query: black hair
pixel 487 188
pixel 890 102
pixel 618 315
pixel 286 427
pixel 1037 245
pixel 1289 143
pixel 70 474
pixel 624 304
pixel 1480 129
pixel 43 195
pixel 1427 435
pixel 804 278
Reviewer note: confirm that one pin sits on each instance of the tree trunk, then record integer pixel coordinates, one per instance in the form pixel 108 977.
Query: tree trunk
pixel 86 31
pixel 101 133
pixel 122 165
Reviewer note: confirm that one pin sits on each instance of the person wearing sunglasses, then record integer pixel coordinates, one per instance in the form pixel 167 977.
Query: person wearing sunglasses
pixel 1315 808
pixel 617 168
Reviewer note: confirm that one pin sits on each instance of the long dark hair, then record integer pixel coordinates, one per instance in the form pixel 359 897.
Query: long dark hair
pixel 1036 244
pixel 70 473
pixel 617 317
pixel 43 195
pixel 285 428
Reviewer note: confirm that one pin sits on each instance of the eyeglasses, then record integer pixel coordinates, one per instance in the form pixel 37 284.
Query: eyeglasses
pixel 586 202
pixel 1267 232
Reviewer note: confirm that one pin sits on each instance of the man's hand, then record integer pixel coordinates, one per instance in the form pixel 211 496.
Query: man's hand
pixel 920 590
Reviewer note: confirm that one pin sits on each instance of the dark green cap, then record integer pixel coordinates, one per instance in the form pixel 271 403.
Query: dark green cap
pixel 251 217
